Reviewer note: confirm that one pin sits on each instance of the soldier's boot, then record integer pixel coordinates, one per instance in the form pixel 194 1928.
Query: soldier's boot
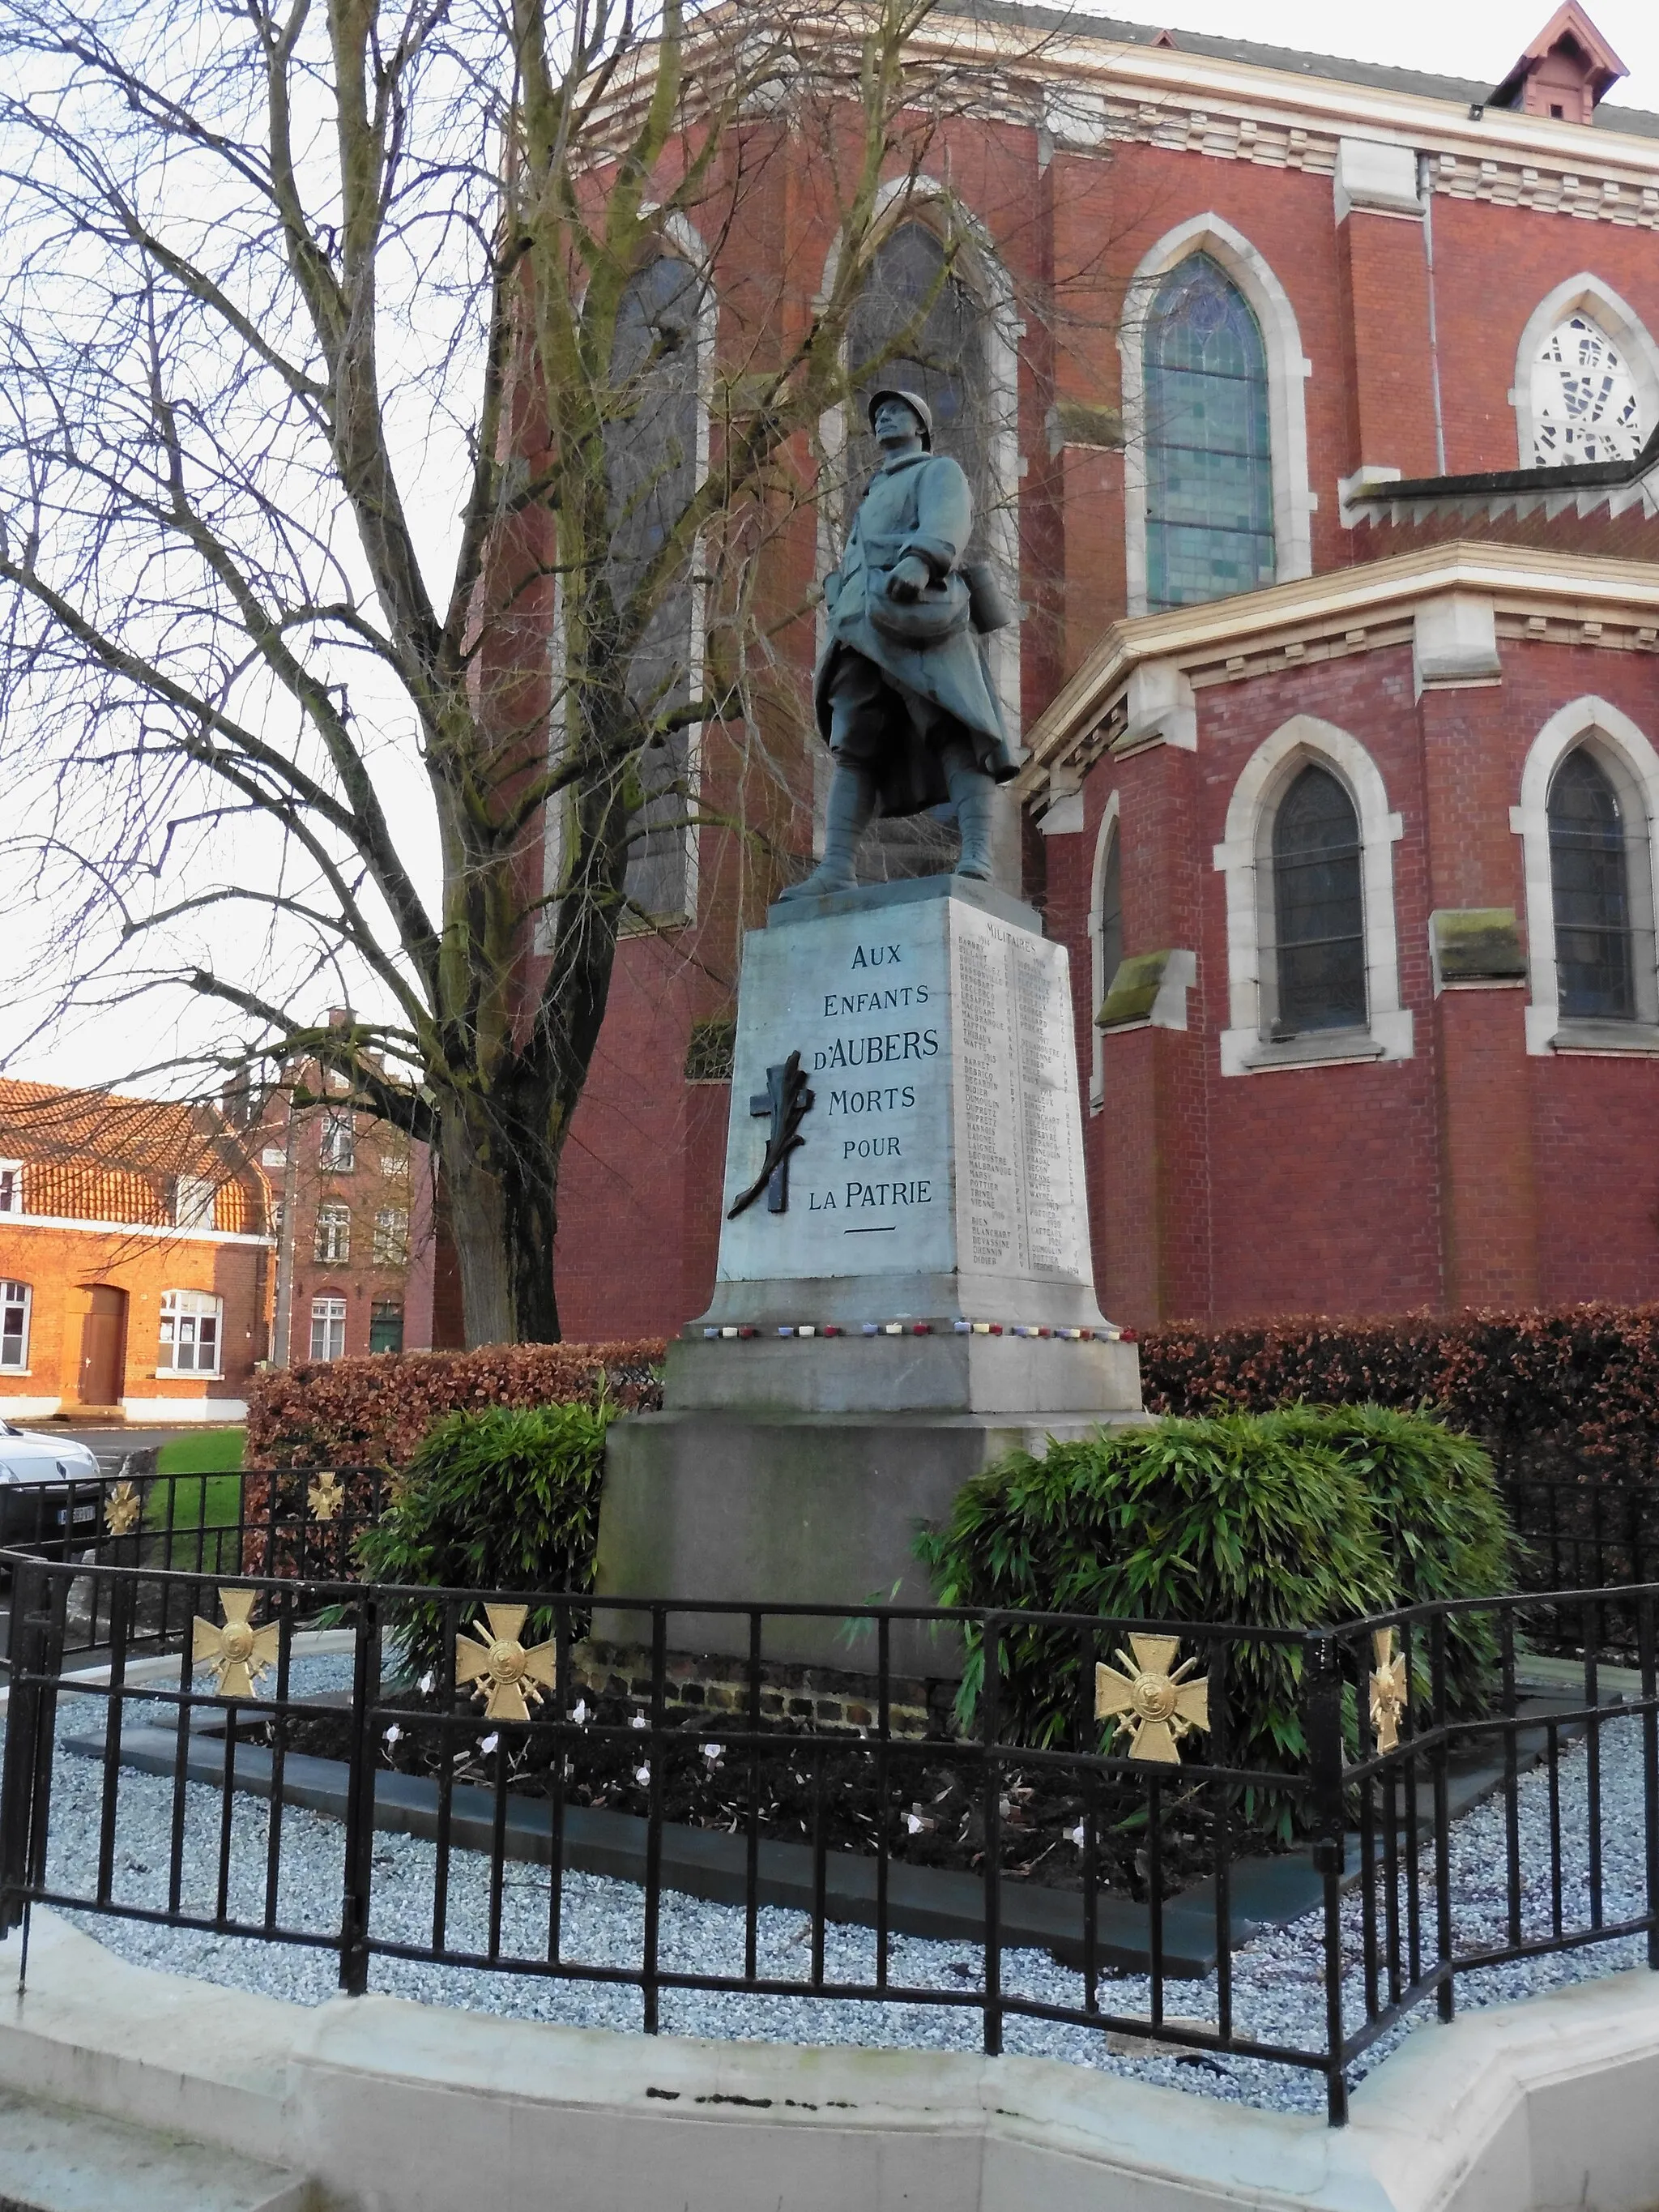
pixel 852 804
pixel 974 794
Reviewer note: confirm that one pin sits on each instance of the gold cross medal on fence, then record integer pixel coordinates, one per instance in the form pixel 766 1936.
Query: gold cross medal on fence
pixel 501 1672
pixel 1390 1695
pixel 325 1497
pixel 121 1509
pixel 238 1653
pixel 1154 1706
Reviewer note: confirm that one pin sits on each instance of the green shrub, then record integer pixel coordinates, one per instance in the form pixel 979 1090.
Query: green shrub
pixel 1302 1518
pixel 1440 1520
pixel 1219 1520
pixel 506 1498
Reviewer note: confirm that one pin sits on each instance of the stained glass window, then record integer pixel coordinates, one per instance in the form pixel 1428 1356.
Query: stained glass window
pixel 1318 907
pixel 1590 868
pixel 1583 397
pixel 1209 474
pixel 650 464
pixel 914 298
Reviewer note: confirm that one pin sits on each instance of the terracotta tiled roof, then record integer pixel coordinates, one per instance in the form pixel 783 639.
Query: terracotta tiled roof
pixel 95 1156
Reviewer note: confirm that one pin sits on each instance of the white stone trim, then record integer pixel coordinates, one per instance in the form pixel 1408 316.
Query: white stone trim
pixel 136 1232
pixel 1098 979
pixel 1288 369
pixel 1388 1032
pixel 30 1409
pixel 1611 314
pixel 1377 176
pixel 1454 642
pixel 1566 728
pixel 151 1410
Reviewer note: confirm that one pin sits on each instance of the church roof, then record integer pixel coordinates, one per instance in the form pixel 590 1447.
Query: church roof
pixel 1465 92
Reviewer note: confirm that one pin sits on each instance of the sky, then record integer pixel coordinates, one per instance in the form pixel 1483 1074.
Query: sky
pixel 1480 41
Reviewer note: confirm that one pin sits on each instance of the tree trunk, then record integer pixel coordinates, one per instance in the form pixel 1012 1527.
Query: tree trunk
pixel 502 1192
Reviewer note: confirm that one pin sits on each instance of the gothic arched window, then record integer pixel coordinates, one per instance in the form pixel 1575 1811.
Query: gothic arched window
pixel 918 323
pixel 651 465
pixel 1584 404
pixel 1590 879
pixel 1109 923
pixel 1209 471
pixel 1319 916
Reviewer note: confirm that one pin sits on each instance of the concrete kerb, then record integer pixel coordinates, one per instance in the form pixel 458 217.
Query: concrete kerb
pixel 384 2104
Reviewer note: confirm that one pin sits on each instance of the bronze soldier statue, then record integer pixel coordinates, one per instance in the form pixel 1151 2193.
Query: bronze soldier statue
pixel 901 694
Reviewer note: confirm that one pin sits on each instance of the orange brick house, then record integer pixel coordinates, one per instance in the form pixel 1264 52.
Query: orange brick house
pixel 136 1258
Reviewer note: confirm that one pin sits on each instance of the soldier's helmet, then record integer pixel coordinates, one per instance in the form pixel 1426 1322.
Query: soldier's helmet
pixel 914 400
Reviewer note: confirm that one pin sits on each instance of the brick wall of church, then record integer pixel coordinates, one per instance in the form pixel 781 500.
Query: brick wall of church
pixel 1211 1196
pixel 1473 1173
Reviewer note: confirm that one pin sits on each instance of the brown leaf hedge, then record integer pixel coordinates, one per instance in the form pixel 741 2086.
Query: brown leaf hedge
pixel 1570 1391
pixel 376 1409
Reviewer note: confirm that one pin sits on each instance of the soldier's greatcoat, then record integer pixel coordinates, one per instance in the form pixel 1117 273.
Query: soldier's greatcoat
pixel 920 504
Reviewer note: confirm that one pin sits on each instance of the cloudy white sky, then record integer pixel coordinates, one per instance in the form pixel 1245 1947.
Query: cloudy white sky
pixel 1478 41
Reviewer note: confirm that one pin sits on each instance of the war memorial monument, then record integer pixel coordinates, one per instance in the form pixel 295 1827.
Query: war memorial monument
pixel 904 1289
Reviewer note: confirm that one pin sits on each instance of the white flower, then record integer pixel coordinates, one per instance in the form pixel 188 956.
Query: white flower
pixel 714 1751
pixel 424 1685
pixel 490 1740
pixel 642 1776
pixel 639 1721
pixel 392 1733
pixel 579 1713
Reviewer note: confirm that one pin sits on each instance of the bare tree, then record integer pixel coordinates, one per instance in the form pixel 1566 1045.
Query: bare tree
pixel 305 309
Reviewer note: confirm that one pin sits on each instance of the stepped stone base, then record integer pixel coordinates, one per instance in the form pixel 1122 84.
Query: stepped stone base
pixel 744 1507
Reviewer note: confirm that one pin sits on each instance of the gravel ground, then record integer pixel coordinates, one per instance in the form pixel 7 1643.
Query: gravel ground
pixel 1278 1986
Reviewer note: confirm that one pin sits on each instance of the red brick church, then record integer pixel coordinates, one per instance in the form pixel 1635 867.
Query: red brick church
pixel 1317 411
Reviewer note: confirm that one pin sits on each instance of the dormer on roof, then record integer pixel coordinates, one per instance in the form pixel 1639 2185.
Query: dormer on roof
pixel 1566 70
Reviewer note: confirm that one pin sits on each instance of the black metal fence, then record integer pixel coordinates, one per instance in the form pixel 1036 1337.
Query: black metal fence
pixel 1100 1877
pixel 304 1522
pixel 1577 1531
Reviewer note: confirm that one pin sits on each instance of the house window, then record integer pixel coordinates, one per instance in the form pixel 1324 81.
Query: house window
pixel 386 1325
pixel 11 1186
pixel 1209 469
pixel 1596 835
pixel 16 1300
pixel 190 1328
pixel 1319 918
pixel 328 1320
pixel 1584 401
pixel 392 1236
pixel 333 1238
pixel 338 1151
pixel 395 1165
pixel 192 1202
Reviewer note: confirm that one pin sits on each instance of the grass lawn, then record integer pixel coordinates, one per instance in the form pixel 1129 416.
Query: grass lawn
pixel 209 1495
pixel 215 1451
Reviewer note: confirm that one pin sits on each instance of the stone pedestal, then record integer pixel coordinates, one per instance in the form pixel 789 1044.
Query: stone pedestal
pixel 908 1299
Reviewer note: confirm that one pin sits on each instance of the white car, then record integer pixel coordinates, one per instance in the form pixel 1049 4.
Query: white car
pixel 28 1514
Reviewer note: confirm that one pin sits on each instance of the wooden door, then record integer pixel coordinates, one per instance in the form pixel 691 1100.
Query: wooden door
pixel 103 1342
